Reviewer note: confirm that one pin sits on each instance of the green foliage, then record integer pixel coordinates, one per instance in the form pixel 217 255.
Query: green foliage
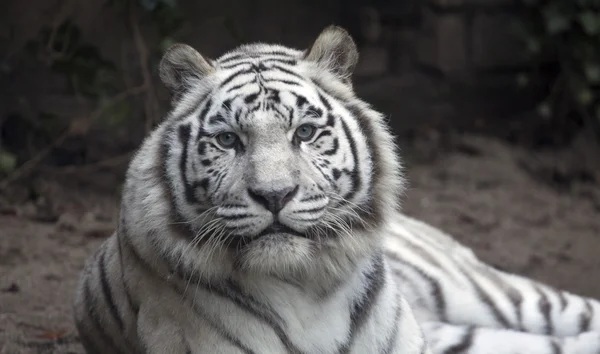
pixel 8 162
pixel 91 75
pixel 566 32
pixel 88 72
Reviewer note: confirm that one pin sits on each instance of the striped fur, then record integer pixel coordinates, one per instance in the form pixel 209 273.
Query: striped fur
pixel 197 267
pixel 252 218
pixel 465 306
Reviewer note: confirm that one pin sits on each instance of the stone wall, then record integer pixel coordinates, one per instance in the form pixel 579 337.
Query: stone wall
pixel 459 39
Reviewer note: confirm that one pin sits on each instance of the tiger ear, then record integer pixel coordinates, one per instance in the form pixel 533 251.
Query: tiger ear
pixel 180 66
pixel 336 51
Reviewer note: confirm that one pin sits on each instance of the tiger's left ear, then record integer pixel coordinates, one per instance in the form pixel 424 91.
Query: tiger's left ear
pixel 335 50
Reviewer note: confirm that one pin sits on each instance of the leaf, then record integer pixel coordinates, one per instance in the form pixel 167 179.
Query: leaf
pixel 592 72
pixel 557 24
pixel 590 21
pixel 115 114
pixel 149 5
pixel 585 96
pixel 555 21
pixel 165 43
pixel 534 46
pixel 522 80
pixel 8 162
pixel 544 110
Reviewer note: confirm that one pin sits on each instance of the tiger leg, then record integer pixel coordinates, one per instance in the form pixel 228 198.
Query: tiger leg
pixel 456 339
pixel 103 320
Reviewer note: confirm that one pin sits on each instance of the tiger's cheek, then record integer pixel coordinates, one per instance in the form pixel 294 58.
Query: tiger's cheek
pixel 215 177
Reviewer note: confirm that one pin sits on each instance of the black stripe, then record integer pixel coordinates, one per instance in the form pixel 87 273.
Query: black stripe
pixel 246 302
pixel 366 128
pixel 231 57
pixel 426 255
pixel 283 81
pixel 545 308
pixel 192 107
pixel 585 317
pixel 251 62
pixel 354 173
pixel 221 329
pixel 259 310
pixel 363 306
pixel 204 112
pixel 183 135
pixel 237 217
pixel 488 301
pixel 323 134
pixel 324 101
pixel 234 76
pixel 236 64
pixel 555 346
pixel 465 343
pixel 333 150
pixel 238 86
pixel 251 97
pixel 130 304
pixel 107 340
pixel 216 119
pixel 513 294
pixel 373 216
pixel 393 338
pixel 436 289
pixel 563 300
pixel 106 290
pixel 312 210
pixel 289 72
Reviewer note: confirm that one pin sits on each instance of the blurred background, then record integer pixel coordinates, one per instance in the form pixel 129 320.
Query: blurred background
pixel 495 105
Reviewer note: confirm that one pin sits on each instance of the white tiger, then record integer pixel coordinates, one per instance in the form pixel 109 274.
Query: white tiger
pixel 262 217
pixel 252 217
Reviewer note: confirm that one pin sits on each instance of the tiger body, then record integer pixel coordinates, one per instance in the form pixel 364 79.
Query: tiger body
pixel 262 217
pixel 242 232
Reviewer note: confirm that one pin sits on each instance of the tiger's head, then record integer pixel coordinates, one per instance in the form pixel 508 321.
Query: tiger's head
pixel 270 155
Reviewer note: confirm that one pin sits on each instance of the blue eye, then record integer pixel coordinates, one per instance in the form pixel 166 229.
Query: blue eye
pixel 305 132
pixel 227 140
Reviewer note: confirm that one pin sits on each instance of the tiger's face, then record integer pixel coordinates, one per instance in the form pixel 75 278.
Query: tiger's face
pixel 266 162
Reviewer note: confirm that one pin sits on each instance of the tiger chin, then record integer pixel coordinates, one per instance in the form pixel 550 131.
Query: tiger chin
pixel 252 217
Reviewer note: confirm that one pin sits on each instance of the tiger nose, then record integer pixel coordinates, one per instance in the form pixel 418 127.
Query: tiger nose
pixel 273 200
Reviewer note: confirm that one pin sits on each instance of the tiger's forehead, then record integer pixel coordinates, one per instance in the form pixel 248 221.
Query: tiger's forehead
pixel 260 84
pixel 260 106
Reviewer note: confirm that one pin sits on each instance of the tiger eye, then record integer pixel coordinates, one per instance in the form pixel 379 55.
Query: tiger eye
pixel 305 132
pixel 227 140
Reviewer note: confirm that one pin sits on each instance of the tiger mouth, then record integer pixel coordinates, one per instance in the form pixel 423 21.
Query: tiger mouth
pixel 274 229
pixel 278 228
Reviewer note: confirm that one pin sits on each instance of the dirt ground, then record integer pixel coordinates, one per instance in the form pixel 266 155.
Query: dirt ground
pixel 532 212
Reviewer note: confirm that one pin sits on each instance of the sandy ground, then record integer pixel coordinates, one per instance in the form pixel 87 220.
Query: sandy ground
pixel 535 213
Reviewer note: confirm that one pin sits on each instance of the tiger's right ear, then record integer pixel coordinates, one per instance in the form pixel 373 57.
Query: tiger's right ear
pixel 180 66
